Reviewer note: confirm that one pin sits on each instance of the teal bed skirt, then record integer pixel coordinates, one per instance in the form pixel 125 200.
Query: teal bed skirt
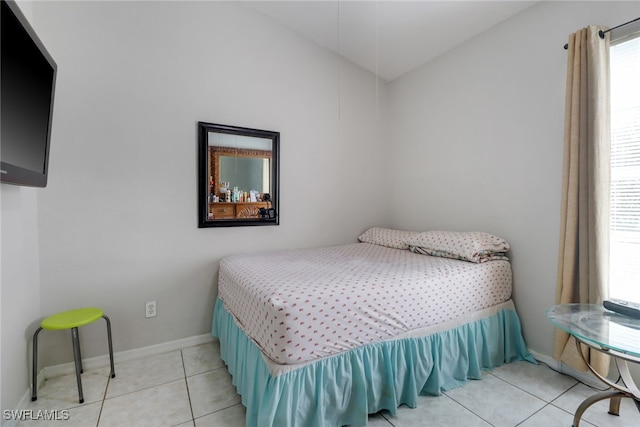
pixel 343 389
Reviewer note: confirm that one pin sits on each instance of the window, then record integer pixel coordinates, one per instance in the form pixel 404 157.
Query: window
pixel 625 170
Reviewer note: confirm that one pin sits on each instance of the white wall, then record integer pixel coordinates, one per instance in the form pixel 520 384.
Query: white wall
pixel 20 287
pixel 478 143
pixel 118 219
pixel 19 281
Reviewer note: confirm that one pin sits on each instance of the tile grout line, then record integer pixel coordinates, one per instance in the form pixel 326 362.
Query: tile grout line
pixel 468 409
pixel 530 393
pixel 549 403
pixel 567 391
pixel 387 419
pixel 530 416
pixel 104 397
pixel 533 395
pixel 186 383
pixel 512 385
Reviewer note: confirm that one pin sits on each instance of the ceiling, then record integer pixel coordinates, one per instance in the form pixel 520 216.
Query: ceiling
pixel 392 37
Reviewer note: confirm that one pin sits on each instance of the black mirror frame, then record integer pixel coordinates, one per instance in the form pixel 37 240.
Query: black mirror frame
pixel 273 218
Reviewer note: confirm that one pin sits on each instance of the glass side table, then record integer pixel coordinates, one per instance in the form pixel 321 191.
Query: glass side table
pixel 610 333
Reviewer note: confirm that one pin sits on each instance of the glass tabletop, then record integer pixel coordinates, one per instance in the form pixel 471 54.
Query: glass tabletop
pixel 593 323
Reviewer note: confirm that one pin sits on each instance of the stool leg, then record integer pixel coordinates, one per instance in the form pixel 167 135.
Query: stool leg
pixel 34 364
pixel 76 356
pixel 113 371
pixel 79 351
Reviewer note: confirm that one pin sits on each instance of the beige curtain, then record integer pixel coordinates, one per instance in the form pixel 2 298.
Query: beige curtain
pixel 583 260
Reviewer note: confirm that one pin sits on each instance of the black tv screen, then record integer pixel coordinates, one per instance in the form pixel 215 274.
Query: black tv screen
pixel 27 83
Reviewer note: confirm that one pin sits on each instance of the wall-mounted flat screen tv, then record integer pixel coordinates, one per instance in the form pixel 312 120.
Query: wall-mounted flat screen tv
pixel 27 83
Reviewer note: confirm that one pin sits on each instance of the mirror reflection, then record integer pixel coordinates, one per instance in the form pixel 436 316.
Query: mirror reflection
pixel 247 172
pixel 238 176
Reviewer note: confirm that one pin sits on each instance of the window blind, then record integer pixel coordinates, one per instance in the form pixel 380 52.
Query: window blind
pixel 625 169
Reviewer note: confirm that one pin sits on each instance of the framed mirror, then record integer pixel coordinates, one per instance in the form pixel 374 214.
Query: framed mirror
pixel 237 176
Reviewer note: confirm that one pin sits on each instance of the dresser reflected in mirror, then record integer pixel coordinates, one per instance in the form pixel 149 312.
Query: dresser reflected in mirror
pixel 238 176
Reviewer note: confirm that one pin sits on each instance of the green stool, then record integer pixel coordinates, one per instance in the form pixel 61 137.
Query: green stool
pixel 71 319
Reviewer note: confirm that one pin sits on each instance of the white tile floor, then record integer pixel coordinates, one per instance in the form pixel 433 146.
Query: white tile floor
pixel 191 387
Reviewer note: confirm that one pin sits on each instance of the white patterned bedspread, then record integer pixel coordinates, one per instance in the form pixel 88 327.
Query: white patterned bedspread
pixel 304 304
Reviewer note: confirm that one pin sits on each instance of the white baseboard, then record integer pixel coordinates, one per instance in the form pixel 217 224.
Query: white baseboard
pixel 584 377
pixel 102 361
pixel 123 356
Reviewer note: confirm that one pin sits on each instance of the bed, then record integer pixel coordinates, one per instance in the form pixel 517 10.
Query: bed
pixel 326 336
